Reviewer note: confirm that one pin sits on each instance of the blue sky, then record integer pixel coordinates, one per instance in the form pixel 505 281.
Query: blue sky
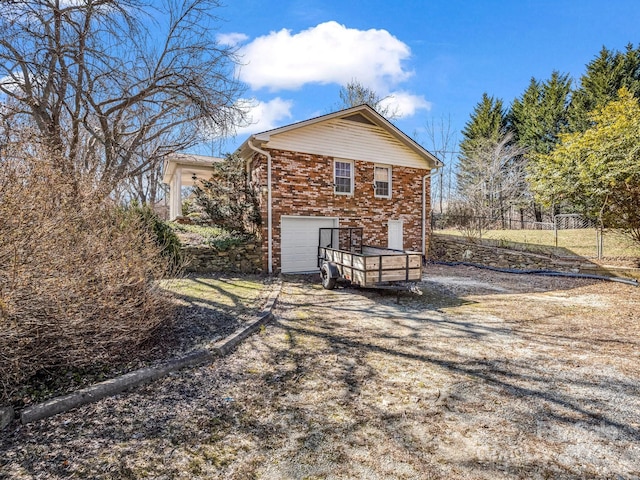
pixel 434 58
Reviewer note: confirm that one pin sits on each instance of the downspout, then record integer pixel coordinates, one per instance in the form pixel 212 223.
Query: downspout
pixel 269 213
pixel 424 210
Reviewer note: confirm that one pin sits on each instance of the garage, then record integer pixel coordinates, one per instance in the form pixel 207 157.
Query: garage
pixel 299 242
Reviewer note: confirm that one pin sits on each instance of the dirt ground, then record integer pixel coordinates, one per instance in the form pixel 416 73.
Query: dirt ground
pixel 485 376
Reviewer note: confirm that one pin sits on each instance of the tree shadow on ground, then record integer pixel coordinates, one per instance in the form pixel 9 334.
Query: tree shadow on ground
pixel 347 384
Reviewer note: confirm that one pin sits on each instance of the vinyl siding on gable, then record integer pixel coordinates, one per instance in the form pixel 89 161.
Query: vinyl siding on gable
pixel 348 139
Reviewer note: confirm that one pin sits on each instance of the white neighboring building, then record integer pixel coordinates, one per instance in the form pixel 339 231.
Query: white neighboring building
pixel 183 170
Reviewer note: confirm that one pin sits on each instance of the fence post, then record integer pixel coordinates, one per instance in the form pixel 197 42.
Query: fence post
pixel 599 243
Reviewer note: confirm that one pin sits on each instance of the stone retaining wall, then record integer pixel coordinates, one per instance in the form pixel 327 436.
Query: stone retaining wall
pixel 245 258
pixel 445 248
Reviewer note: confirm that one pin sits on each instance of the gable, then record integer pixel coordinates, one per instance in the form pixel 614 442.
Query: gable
pixel 358 117
pixel 349 137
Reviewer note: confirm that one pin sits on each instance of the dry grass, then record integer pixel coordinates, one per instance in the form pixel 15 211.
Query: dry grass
pixel 208 308
pixel 581 243
pixel 486 376
pixel 219 291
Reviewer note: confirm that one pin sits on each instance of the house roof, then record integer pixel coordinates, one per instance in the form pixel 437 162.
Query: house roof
pixel 362 114
pixel 198 166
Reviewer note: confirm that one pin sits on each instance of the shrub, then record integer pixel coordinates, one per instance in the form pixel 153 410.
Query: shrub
pixel 215 236
pixel 469 225
pixel 226 240
pixel 202 231
pixel 227 199
pixel 77 283
pixel 160 231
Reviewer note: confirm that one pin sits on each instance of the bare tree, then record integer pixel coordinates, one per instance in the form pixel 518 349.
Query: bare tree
pixel 115 86
pixel 355 93
pixel 146 187
pixel 442 142
pixel 498 180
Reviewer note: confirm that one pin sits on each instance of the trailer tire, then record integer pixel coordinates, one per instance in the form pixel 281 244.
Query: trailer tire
pixel 328 282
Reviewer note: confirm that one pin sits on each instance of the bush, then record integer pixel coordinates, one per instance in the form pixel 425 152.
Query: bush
pixel 77 278
pixel 214 236
pixel 161 232
pixel 226 240
pixel 227 200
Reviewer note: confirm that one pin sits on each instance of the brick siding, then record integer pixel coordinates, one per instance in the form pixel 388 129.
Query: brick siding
pixel 303 185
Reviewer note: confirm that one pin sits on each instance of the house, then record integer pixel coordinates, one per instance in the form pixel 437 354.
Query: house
pixel 349 168
pixel 184 170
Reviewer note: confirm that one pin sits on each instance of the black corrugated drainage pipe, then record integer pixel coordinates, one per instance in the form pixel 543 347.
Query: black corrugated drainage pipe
pixel 550 273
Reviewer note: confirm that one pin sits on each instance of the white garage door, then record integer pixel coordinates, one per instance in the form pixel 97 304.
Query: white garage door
pixel 299 242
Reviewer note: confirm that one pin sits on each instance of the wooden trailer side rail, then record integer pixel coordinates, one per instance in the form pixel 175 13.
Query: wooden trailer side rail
pixel 374 266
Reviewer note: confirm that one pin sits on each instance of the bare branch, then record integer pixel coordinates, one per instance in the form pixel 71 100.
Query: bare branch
pixel 355 93
pixel 101 78
pixel 496 178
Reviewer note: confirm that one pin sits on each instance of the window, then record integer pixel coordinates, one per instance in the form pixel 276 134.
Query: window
pixel 382 182
pixel 343 177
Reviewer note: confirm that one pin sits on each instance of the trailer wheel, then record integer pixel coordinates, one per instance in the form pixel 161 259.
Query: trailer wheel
pixel 328 282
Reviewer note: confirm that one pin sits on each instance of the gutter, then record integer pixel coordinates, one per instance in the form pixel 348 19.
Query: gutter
pixel 269 209
pixel 424 209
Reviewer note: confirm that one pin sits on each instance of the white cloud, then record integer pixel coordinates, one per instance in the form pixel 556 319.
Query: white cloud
pixel 262 116
pixel 231 39
pixel 326 53
pixel 12 83
pixel 405 104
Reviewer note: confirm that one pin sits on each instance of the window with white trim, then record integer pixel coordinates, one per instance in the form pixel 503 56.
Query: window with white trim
pixel 343 177
pixel 382 181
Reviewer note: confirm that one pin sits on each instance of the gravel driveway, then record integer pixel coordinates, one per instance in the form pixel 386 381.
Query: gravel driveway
pixel 486 375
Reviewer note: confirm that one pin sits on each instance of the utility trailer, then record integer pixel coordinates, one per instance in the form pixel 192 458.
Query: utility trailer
pixel 342 255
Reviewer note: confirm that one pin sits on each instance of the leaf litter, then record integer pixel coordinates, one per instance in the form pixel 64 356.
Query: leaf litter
pixel 485 379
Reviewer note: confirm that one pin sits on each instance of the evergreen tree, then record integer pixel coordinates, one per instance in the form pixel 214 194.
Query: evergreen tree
pixel 488 123
pixel 556 98
pixel 542 113
pixel 227 199
pixel 537 119
pixel 605 76
pixel 598 170
pixel 524 113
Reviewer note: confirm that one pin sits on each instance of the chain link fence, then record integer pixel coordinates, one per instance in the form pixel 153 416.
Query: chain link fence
pixel 467 222
pixel 568 235
pixel 576 232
